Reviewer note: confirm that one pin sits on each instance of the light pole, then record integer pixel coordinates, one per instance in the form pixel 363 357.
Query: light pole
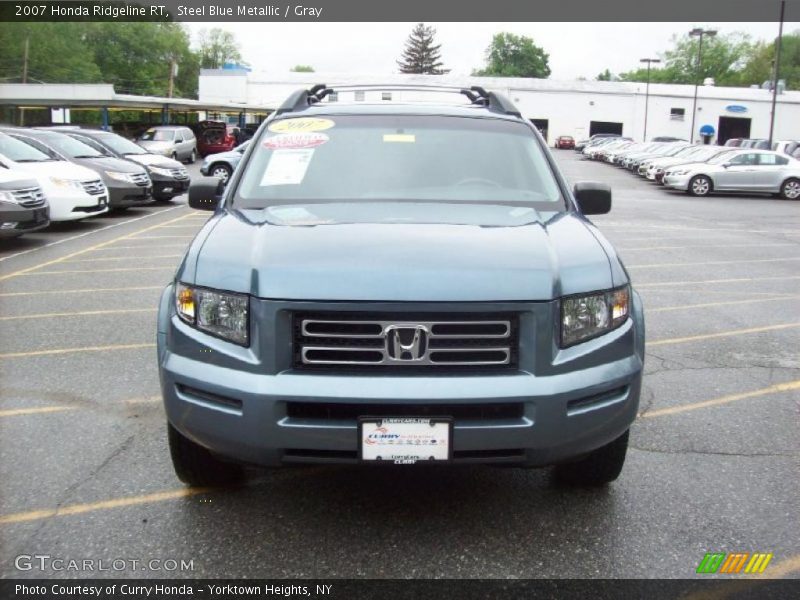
pixel 649 61
pixel 698 32
pixel 778 44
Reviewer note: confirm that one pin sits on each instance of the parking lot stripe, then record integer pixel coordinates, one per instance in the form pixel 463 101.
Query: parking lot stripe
pixel 713 262
pixel 81 235
pixel 111 258
pixel 139 246
pixel 160 237
pixel 83 291
pixel 165 267
pixel 14 412
pixel 77 509
pixel 75 350
pixel 89 249
pixel 726 303
pixel 637 248
pixel 773 389
pixel 733 332
pixel 81 313
pixel 711 281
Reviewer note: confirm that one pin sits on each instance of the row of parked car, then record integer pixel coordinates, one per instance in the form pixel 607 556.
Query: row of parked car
pixel 68 173
pixel 700 169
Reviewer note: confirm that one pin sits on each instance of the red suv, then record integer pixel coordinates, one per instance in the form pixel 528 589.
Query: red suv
pixel 214 137
pixel 565 141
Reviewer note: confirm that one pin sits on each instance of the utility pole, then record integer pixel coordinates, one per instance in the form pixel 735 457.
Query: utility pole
pixel 778 44
pixel 173 71
pixel 24 74
pixel 698 32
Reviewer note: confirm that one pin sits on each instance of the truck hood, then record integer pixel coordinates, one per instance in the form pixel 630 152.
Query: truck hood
pixel 399 261
pixel 57 168
pixel 101 164
pixel 154 160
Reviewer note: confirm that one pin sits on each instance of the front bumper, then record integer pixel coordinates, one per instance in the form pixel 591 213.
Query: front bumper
pixel 16 220
pixel 678 182
pixel 168 186
pixel 239 402
pixel 123 195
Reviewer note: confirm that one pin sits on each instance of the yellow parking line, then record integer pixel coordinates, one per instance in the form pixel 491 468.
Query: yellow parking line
pixel 83 291
pixel 629 248
pixel 711 281
pixel 89 249
pixel 14 412
pixel 112 258
pixel 726 303
pixel 713 262
pixel 82 313
pixel 140 246
pixel 120 270
pixel 77 509
pixel 75 350
pixel 708 336
pixel 161 237
pixel 773 389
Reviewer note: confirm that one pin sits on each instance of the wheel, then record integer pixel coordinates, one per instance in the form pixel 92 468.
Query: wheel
pixel 193 156
pixel 790 189
pixel 163 197
pixel 221 171
pixel 598 468
pixel 196 466
pixel 700 185
pixel 174 156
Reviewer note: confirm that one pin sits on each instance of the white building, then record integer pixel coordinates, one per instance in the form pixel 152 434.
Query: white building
pixel 576 108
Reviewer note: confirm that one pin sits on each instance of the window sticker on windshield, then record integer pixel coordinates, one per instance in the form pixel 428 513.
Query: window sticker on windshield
pixel 295 141
pixel 408 138
pixel 287 167
pixel 304 124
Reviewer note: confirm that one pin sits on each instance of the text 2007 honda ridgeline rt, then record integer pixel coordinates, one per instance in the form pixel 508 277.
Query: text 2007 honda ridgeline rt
pixel 399 284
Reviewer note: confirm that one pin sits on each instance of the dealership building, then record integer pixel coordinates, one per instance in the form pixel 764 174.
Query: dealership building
pixel 576 108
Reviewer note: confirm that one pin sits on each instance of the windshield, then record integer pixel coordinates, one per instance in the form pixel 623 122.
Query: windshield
pixel 120 145
pixel 721 158
pixel 69 147
pixel 19 151
pixel 158 135
pixel 398 158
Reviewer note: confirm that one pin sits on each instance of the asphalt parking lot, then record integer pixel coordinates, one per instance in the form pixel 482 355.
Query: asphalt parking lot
pixel 714 462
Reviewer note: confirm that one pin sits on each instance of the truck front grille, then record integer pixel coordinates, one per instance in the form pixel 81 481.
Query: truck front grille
pixel 29 197
pixel 141 179
pixel 95 188
pixel 404 341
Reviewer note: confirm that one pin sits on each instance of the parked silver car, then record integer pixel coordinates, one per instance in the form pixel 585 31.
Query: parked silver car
pixel 173 141
pixel 739 171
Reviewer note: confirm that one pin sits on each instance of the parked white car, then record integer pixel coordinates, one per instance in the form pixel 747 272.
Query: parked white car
pixel 692 154
pixel 74 192
pixel 739 171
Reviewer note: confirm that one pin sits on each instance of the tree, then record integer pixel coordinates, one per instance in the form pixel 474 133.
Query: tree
pixel 302 69
pixel 605 76
pixel 421 55
pixel 218 47
pixel 511 55
pixel 759 68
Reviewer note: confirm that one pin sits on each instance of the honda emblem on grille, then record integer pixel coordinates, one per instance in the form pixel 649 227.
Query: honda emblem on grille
pixel 406 342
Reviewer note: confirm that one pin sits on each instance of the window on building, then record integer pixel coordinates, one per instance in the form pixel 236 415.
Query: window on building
pixel 360 96
pixel 677 114
pixel 386 95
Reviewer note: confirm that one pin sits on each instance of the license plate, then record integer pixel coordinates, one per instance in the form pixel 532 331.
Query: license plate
pixel 405 440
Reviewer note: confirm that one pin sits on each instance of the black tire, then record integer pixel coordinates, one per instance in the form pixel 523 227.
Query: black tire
pixel 790 189
pixel 196 466
pixel 220 170
pixel 174 156
pixel 596 469
pixel 163 197
pixel 192 157
pixel 700 185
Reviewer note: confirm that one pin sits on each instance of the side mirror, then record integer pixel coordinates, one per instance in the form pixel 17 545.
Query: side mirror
pixel 593 198
pixel 205 193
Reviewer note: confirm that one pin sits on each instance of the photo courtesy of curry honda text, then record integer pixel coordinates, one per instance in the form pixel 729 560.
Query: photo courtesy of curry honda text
pixel 389 283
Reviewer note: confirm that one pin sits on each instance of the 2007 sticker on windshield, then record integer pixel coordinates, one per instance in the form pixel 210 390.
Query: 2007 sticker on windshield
pixel 303 124
pixel 287 167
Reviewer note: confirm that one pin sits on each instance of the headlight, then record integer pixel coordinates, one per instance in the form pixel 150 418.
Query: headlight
pixel 7 197
pixel 222 314
pixel 161 171
pixel 584 317
pixel 67 183
pixel 126 177
pixel 679 172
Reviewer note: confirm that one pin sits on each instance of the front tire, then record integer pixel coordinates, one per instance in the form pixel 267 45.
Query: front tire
pixel 196 466
pixel 192 157
pixel 700 185
pixel 221 171
pixel 790 189
pixel 598 468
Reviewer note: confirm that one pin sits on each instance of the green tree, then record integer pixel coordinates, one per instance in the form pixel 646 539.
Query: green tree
pixel 724 59
pixel 217 47
pixel 605 76
pixel 760 66
pixel 421 55
pixel 511 55
pixel 302 69
pixel 57 52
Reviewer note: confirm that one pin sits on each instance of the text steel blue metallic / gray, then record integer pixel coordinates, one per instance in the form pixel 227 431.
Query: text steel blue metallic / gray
pixel 392 283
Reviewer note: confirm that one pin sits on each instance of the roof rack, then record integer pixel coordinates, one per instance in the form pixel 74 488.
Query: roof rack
pixel 497 103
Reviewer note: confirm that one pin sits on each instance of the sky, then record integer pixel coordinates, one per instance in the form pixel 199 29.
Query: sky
pixel 576 49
